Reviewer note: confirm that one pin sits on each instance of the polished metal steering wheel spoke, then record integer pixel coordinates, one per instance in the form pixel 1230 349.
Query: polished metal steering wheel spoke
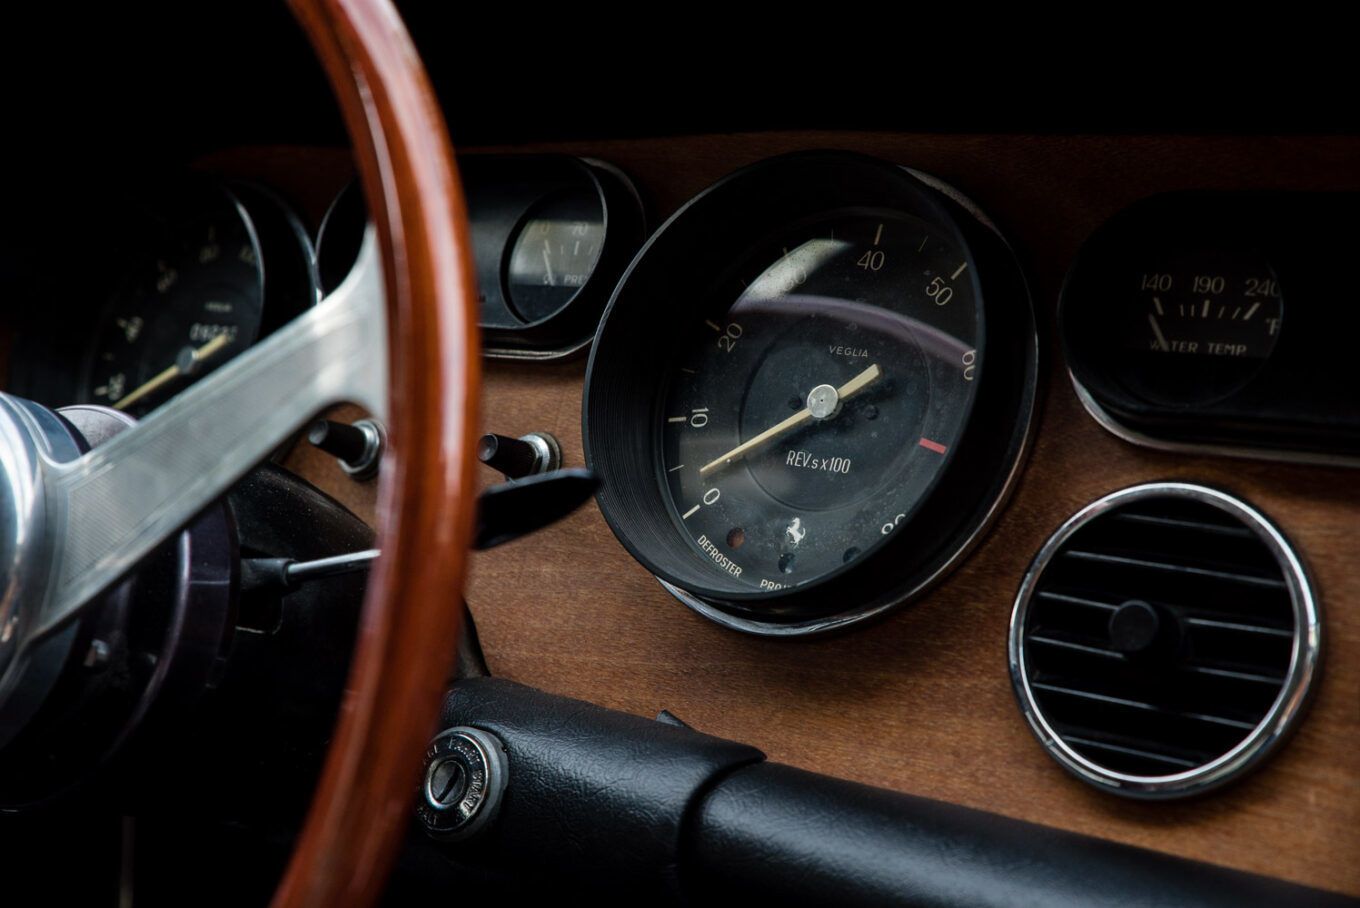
pixel 114 505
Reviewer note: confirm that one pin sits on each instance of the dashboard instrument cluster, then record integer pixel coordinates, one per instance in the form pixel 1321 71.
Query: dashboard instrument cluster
pixel 776 379
pixel 830 386
pixel 199 268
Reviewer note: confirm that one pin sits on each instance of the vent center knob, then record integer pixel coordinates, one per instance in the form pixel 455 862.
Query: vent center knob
pixel 1134 627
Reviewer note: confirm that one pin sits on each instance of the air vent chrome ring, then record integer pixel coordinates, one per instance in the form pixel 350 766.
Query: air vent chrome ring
pixel 1194 777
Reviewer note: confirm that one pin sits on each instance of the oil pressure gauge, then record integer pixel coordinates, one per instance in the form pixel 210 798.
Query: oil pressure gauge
pixel 551 235
pixel 554 253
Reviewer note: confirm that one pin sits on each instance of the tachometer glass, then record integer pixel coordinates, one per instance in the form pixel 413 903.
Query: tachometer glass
pixel 816 405
pixel 192 305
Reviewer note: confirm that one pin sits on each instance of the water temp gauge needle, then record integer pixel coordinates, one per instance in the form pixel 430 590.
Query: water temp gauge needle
pixel 189 358
pixel 1157 332
pixel 822 402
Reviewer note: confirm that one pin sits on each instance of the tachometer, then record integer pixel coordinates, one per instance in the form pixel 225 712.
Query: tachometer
pixel 810 392
pixel 806 421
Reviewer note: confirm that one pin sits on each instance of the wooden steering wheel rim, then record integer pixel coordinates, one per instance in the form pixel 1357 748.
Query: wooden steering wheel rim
pixel 401 664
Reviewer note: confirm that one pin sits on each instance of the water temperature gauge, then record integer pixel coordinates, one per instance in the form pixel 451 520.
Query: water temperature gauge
pixel 1218 322
pixel 1194 325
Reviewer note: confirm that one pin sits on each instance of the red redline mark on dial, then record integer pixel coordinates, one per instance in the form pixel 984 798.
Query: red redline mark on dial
pixel 933 446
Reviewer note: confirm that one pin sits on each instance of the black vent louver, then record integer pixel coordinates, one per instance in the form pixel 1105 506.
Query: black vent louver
pixel 1157 632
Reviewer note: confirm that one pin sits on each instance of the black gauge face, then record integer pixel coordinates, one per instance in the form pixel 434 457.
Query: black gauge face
pixel 1194 326
pixel 813 410
pixel 555 253
pixel 193 304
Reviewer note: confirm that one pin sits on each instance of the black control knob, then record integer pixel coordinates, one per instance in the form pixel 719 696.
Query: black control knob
pixel 1140 631
pixel 358 447
pixel 516 458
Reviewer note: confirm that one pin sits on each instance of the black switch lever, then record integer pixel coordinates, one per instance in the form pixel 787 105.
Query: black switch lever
pixel 504 513
pixel 515 509
pixel 516 458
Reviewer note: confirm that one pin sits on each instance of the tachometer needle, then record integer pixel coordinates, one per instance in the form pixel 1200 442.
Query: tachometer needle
pixel 193 355
pixel 853 386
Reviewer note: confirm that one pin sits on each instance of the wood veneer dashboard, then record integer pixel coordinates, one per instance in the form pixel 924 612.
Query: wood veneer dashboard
pixel 921 702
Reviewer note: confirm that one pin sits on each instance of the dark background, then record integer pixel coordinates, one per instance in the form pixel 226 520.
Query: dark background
pixel 126 83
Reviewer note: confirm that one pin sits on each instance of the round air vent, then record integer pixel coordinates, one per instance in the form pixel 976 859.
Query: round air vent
pixel 1163 640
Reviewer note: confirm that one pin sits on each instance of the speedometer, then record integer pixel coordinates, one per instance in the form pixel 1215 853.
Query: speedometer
pixel 810 392
pixel 214 269
pixel 195 302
